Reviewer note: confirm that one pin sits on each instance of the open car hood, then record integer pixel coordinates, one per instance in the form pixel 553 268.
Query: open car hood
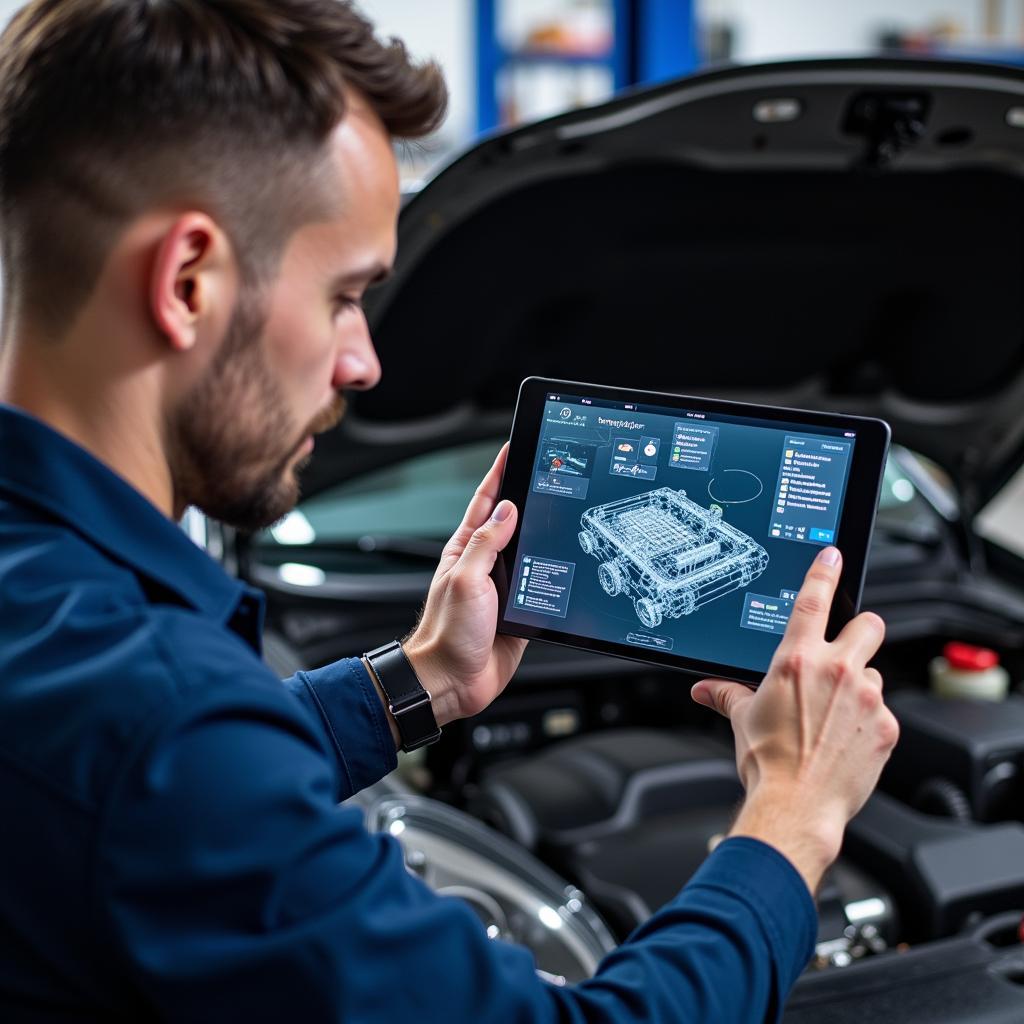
pixel 837 234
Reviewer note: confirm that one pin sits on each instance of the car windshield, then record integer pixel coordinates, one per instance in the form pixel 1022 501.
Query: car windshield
pixel 422 498
pixel 409 509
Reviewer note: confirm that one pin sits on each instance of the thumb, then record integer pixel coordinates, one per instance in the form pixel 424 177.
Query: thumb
pixel 489 539
pixel 721 695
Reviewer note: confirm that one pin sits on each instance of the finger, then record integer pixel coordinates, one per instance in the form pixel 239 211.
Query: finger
pixel 809 617
pixel 721 695
pixel 488 539
pixel 480 507
pixel 861 637
pixel 875 676
pixel 482 503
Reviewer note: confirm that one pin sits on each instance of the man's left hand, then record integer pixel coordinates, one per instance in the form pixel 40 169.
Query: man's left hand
pixel 455 651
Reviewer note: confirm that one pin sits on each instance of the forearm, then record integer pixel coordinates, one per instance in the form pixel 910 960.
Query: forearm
pixel 792 822
pixel 728 948
pixel 344 701
pixel 381 696
pixel 347 700
pixel 234 886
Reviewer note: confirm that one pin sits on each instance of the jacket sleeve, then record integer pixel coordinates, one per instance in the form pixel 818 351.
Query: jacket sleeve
pixel 343 700
pixel 233 887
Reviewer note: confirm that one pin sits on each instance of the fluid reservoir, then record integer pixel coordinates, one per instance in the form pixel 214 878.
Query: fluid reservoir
pixel 964 670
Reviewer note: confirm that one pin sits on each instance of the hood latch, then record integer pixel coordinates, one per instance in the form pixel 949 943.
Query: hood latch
pixel 889 122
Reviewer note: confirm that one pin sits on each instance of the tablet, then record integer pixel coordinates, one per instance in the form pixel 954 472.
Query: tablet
pixel 677 530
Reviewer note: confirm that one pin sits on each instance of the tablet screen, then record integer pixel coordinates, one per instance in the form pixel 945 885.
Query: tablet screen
pixel 681 531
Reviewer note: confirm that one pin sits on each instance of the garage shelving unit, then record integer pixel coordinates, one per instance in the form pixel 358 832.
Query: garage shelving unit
pixel 652 40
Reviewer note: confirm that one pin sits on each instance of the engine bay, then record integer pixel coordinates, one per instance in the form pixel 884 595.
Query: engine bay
pixel 603 826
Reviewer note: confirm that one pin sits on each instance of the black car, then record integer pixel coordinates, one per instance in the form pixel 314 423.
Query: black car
pixel 839 235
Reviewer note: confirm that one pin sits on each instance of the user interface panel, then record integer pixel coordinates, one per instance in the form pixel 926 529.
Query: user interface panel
pixel 673 530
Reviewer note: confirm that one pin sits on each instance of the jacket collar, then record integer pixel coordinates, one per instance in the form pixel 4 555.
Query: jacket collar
pixel 43 468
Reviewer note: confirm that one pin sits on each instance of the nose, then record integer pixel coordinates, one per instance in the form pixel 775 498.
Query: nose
pixel 357 367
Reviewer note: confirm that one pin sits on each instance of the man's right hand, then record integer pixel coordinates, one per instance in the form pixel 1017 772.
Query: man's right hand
pixel 812 740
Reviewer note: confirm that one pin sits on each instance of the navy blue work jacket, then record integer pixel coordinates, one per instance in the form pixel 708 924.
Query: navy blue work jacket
pixel 173 848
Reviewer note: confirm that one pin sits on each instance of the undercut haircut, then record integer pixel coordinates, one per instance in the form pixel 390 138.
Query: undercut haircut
pixel 109 108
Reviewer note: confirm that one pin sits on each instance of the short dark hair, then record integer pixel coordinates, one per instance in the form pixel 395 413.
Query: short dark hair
pixel 109 106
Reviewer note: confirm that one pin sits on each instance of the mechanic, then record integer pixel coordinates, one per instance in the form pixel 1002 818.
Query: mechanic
pixel 195 195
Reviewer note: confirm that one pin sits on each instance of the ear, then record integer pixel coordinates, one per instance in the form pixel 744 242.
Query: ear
pixel 191 280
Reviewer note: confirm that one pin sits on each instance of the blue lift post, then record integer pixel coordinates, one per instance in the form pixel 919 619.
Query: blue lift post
pixel 1010 55
pixel 665 39
pixel 488 65
pixel 653 40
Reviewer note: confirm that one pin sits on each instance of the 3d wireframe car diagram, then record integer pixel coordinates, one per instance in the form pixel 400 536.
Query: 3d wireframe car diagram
pixel 669 553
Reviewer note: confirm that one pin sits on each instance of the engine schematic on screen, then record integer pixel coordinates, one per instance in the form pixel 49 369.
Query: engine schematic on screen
pixel 668 553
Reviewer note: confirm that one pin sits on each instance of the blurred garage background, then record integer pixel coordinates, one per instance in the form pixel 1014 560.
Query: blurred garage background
pixel 513 61
pixel 508 62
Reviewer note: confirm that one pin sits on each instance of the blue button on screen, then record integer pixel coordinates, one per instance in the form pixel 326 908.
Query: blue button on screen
pixel 822 535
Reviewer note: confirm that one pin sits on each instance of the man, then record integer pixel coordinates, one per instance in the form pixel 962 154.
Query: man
pixel 195 195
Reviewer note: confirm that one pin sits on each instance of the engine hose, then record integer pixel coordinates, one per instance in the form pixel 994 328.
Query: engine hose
pixel 945 798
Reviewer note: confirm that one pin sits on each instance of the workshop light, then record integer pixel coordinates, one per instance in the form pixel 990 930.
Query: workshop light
pixel 775 111
pixel 295 528
pixel 549 917
pixel 299 575
pixel 864 910
pixel 903 490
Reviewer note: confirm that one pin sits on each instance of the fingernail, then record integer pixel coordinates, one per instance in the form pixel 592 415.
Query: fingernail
pixel 830 556
pixel 502 511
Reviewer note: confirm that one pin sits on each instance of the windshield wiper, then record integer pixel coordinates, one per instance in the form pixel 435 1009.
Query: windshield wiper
pixel 416 547
pixel 372 543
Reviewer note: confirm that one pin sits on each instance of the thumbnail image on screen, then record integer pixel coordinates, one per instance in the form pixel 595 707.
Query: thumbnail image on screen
pixel 673 530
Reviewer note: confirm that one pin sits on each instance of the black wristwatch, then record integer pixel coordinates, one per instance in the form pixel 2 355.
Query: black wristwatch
pixel 408 702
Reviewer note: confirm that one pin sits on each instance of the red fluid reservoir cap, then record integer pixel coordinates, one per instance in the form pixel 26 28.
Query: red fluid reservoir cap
pixel 967 658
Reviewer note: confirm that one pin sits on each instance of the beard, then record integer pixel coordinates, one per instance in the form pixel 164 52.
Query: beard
pixel 233 442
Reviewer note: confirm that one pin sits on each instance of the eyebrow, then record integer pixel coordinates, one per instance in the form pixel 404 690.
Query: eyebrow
pixel 374 273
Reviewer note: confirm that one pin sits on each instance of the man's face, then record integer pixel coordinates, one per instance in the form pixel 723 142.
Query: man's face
pixel 247 427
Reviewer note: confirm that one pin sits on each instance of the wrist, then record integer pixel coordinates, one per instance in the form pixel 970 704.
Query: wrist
pixel 409 707
pixel 428 664
pixel 796 824
pixel 383 697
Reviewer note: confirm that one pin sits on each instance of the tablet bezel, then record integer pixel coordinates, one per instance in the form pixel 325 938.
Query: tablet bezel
pixel 853 531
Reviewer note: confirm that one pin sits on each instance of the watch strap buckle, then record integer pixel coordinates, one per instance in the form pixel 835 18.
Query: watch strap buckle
pixel 409 702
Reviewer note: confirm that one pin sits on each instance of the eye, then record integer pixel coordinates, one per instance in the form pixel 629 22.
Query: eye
pixel 347 303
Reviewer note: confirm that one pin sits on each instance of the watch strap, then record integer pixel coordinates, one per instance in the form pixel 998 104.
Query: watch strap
pixel 408 703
